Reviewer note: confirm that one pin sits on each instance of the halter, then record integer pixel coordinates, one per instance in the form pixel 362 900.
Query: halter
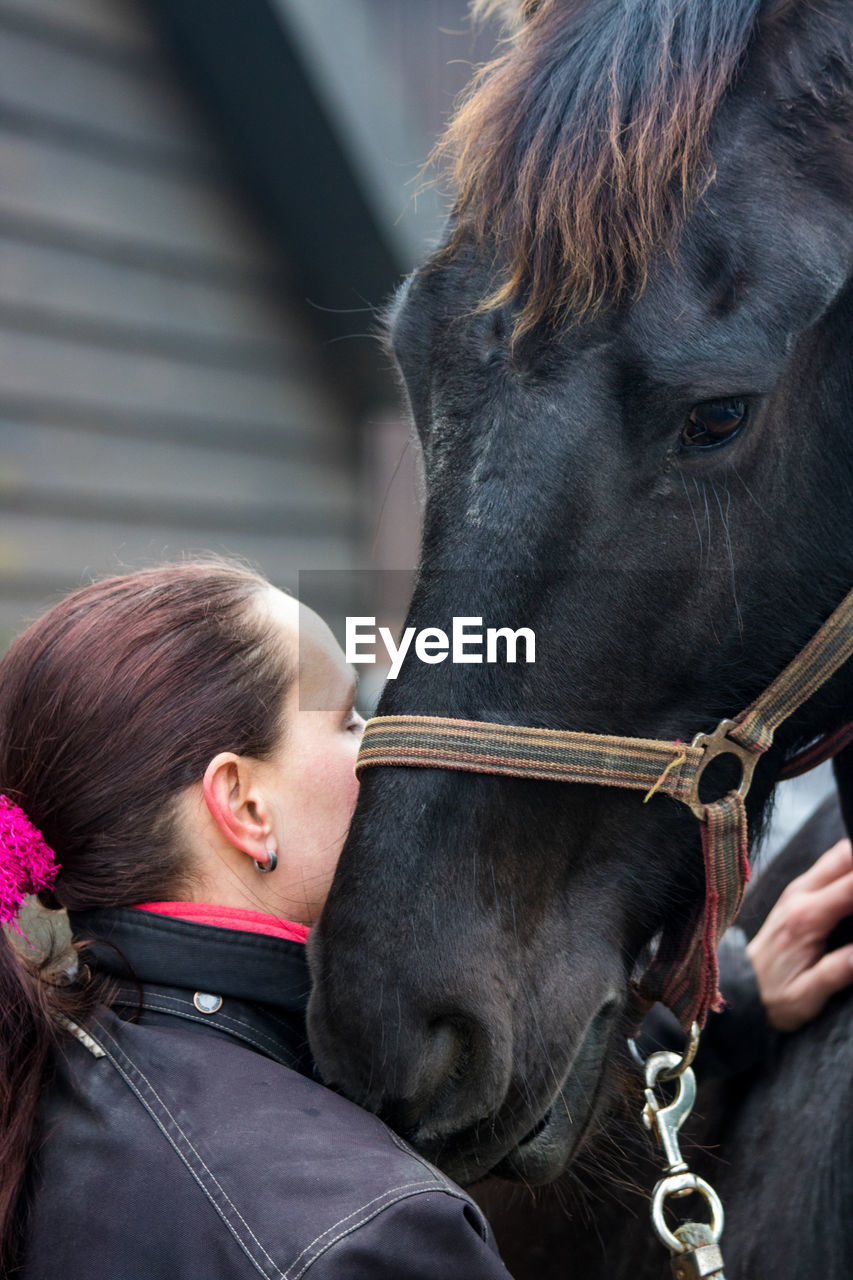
pixel 684 971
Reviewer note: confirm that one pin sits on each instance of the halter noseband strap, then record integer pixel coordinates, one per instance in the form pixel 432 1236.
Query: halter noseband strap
pixel 684 972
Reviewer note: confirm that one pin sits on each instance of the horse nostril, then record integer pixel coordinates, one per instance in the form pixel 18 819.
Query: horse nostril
pixel 442 1064
pixel 444 1057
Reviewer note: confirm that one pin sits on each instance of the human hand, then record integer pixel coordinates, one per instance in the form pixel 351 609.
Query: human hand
pixel 796 975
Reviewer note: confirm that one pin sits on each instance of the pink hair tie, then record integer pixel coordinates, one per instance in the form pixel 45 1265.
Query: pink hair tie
pixel 27 862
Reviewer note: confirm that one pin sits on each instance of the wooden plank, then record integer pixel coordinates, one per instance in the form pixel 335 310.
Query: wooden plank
pixel 43 81
pixel 49 469
pixel 38 550
pixel 285 438
pixel 155 396
pixel 119 24
pixel 225 519
pixel 129 252
pixel 296 147
pixel 189 216
pixel 147 304
pixel 66 371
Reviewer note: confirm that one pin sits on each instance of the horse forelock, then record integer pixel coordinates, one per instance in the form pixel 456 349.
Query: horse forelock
pixel 577 152
pixel 512 12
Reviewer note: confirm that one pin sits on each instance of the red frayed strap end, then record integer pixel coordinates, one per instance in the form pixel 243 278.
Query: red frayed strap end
pixel 687 976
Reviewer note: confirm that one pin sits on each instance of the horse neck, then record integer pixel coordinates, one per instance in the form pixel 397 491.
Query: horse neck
pixel 843 766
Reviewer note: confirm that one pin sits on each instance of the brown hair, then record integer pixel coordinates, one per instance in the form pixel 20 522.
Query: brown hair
pixel 111 704
pixel 575 153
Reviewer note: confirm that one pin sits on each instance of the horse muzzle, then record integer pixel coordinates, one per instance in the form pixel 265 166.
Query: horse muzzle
pixel 551 1132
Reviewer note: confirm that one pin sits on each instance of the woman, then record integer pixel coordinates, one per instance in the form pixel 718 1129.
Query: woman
pixel 166 784
pixel 150 730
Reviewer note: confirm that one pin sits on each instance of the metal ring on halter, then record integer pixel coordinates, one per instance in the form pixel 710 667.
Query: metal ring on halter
pixel 679 1184
pixel 716 744
pixel 670 1073
pixel 266 867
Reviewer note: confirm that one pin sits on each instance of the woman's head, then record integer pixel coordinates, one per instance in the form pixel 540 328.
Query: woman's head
pixel 114 704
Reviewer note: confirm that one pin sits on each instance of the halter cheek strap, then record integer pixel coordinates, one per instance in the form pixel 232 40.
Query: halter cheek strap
pixel 684 971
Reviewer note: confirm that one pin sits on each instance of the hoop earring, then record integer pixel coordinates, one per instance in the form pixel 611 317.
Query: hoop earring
pixel 270 865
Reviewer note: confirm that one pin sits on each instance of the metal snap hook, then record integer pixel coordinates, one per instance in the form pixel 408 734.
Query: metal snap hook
pixel 666 1120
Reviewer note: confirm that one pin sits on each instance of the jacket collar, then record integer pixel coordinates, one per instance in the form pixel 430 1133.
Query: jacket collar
pixel 147 948
pixel 248 986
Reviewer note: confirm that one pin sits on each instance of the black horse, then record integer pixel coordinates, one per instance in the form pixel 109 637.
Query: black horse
pixel 775 1143
pixel 629 367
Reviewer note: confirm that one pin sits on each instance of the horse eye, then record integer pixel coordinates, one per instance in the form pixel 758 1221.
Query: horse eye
pixel 714 422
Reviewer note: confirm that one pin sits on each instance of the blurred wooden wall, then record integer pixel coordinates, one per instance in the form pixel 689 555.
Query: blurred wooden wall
pixel 160 388
pixel 166 383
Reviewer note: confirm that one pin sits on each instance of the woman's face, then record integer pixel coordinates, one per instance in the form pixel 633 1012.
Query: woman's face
pixel 311 776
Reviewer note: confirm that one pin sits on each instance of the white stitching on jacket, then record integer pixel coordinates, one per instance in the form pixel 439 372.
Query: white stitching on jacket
pixel 325 1240
pixel 439 1177
pixel 117 1064
pixel 208 1022
pixel 226 1017
pixel 378 1202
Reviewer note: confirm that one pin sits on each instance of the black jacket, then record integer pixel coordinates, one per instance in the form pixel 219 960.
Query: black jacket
pixel 185 1139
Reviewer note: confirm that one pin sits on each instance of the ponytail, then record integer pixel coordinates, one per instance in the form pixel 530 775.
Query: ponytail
pixel 26 1040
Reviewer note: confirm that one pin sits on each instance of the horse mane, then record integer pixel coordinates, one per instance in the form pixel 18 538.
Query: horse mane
pixel 576 152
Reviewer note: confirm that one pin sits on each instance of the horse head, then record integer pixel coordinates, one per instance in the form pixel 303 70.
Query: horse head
pixel 629 369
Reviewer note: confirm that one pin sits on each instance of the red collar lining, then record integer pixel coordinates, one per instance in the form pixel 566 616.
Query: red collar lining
pixel 229 918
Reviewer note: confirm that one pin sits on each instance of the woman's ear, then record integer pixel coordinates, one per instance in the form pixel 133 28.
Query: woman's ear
pixel 236 803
